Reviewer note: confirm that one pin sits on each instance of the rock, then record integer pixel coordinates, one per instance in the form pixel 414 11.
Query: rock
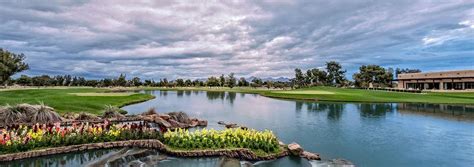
pixel 221 123
pixel 295 149
pixel 162 122
pixel 231 126
pixel 202 123
pixel 194 123
pixel 180 117
pixel 310 156
pixel 176 124
pixel 165 116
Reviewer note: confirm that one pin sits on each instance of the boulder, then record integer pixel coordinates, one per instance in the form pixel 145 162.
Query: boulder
pixel 194 123
pixel 176 124
pixel 310 156
pixel 295 149
pixel 221 123
pixel 165 116
pixel 180 117
pixel 202 123
pixel 162 122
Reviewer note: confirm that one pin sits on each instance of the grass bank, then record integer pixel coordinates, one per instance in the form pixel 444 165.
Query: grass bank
pixel 350 95
pixel 91 100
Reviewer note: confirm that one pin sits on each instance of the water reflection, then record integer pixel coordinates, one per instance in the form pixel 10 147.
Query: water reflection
pixel 457 112
pixel 70 159
pixel 224 96
pixel 334 110
pixel 378 110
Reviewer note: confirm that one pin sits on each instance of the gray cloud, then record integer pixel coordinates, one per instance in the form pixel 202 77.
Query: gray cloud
pixel 103 38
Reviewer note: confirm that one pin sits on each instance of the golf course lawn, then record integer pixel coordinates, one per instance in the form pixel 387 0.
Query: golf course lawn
pixel 358 95
pixel 89 100
pixel 350 95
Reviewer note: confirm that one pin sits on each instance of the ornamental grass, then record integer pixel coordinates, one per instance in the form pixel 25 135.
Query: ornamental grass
pixel 19 138
pixel 229 138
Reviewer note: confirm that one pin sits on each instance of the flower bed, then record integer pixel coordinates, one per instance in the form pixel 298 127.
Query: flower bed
pixel 259 142
pixel 25 138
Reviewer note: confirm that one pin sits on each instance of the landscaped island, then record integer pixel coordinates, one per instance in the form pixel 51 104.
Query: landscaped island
pixel 28 131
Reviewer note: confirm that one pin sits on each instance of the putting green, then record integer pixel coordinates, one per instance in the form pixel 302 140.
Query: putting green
pixel 306 92
pixel 103 94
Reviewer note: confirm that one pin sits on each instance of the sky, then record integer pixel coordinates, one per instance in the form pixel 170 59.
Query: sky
pixel 196 39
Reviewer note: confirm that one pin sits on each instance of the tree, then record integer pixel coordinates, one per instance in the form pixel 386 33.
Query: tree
pixel 243 82
pixel 269 84
pixel 299 78
pixel 319 77
pixel 106 82
pixel 10 64
pixel 373 74
pixel 406 71
pixel 222 80
pixel 180 82
pixel 188 83
pixel 43 80
pixel 256 82
pixel 136 82
pixel 24 80
pixel 121 80
pixel 335 74
pixel 212 81
pixel 231 80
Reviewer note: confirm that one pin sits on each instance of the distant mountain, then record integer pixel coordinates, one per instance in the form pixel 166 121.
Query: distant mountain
pixel 281 79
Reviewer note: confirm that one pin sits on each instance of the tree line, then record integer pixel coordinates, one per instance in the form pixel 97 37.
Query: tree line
pixel 334 75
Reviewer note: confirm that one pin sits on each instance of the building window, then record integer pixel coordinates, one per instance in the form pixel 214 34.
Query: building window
pixel 469 85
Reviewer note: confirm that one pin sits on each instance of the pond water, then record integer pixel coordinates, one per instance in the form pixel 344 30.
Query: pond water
pixel 366 134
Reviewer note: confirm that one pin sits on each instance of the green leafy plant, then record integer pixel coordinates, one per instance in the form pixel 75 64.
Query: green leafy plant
pixel 230 138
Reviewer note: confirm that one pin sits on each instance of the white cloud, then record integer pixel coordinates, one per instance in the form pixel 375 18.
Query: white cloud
pixel 155 39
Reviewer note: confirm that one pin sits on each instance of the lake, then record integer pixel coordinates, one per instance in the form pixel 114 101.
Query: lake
pixel 367 134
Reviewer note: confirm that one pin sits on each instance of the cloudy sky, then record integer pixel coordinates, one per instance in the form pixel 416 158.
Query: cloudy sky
pixel 195 39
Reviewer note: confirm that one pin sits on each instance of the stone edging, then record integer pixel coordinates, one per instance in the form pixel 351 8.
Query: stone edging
pixel 243 154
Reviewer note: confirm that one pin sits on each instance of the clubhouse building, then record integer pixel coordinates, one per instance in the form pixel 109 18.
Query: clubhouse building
pixel 448 80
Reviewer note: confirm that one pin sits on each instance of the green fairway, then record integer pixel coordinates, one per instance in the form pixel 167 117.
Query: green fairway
pixel 350 95
pixel 358 95
pixel 89 100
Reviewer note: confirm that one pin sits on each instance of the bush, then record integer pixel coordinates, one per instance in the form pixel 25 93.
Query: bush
pixel 230 138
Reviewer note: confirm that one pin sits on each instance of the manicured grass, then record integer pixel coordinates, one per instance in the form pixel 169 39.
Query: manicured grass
pixel 358 95
pixel 351 95
pixel 102 94
pixel 67 100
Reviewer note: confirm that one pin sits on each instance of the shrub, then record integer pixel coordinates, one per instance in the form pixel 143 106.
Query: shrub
pixel 112 112
pixel 151 111
pixel 230 138
pixel 11 114
pixel 45 114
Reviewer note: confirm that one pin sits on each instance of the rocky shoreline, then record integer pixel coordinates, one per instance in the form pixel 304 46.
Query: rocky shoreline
pixel 243 154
